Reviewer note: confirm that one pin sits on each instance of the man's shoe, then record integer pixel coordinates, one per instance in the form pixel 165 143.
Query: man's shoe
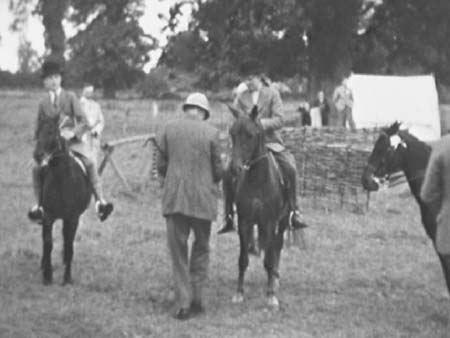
pixel 36 214
pixel 104 209
pixel 183 314
pixel 196 308
pixel 296 222
pixel 228 227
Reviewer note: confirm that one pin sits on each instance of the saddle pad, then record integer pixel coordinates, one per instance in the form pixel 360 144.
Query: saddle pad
pixel 275 147
pixel 277 168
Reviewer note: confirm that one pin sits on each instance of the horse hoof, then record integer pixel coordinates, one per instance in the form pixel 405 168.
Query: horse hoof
pixel 67 281
pixel 272 302
pixel 237 298
pixel 46 281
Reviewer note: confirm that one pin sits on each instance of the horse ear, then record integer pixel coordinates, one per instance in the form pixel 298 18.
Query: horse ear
pixel 394 128
pixel 254 112
pixel 236 112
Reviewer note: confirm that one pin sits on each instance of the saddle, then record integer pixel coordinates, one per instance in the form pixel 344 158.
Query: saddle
pixel 79 159
pixel 276 148
pixel 76 156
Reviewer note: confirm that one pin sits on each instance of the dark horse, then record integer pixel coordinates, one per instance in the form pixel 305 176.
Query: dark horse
pixel 397 150
pixel 65 194
pixel 260 199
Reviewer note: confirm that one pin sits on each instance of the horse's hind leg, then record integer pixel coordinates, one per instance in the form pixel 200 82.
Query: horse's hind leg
pixel 244 237
pixel 69 230
pixel 47 241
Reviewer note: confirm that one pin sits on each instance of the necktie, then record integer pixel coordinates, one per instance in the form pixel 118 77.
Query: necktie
pixel 55 101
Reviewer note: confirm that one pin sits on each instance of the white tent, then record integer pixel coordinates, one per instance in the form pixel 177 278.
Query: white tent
pixel 382 100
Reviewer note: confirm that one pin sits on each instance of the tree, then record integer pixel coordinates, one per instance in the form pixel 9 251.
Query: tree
pixel 53 13
pixel 333 27
pixel 409 37
pixel 28 57
pixel 112 48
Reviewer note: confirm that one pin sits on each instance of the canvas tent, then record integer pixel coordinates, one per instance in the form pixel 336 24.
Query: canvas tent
pixel 412 100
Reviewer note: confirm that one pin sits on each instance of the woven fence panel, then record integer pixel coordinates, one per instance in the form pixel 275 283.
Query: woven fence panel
pixel 330 162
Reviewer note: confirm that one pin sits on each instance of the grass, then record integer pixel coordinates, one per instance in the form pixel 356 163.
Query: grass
pixel 371 275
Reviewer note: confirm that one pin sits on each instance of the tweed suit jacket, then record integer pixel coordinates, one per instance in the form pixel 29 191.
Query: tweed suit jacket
pixel 342 98
pixel 270 111
pixel 189 159
pixel 436 191
pixel 71 116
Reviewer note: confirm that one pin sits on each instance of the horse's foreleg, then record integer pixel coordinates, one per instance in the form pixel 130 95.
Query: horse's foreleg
pixel 69 230
pixel 244 237
pixel 271 263
pixel 47 242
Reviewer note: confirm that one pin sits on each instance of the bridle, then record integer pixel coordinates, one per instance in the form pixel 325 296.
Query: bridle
pixel 249 164
pixel 393 147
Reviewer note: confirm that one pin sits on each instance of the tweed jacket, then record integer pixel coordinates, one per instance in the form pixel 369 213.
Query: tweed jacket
pixel 270 111
pixel 189 160
pixel 71 117
pixel 436 192
pixel 342 98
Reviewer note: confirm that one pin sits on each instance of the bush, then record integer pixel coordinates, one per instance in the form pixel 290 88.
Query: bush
pixel 19 80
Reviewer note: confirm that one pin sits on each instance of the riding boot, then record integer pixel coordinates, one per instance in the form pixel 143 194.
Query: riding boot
pixel 36 213
pixel 102 207
pixel 288 168
pixel 228 193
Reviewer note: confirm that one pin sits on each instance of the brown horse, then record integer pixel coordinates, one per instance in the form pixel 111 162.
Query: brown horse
pixel 397 150
pixel 260 199
pixel 66 193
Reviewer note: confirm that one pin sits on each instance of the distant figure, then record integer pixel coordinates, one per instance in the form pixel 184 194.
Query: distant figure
pixel 343 101
pixel 435 192
pixel 94 117
pixel 189 159
pixel 304 113
pixel 324 109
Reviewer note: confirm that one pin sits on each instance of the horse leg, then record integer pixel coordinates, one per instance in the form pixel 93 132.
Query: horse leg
pixel 47 241
pixel 69 230
pixel 245 231
pixel 271 259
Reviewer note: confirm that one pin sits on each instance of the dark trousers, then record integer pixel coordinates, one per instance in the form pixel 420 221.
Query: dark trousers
pixel 346 115
pixel 189 275
pixel 288 167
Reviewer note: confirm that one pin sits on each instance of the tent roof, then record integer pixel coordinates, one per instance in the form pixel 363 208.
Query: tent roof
pixel 381 100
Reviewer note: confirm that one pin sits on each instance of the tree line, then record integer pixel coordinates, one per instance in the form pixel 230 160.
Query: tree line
pixel 321 40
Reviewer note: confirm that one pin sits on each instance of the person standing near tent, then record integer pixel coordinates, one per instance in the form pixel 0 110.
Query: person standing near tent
pixel 321 103
pixel 189 159
pixel 343 102
pixel 94 117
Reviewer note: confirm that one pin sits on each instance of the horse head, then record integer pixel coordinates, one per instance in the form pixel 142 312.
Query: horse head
pixel 386 157
pixel 49 140
pixel 247 136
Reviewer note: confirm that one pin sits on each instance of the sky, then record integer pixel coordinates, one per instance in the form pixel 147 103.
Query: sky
pixel 34 32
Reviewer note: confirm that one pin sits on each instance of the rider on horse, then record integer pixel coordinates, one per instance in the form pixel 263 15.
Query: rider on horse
pixel 258 94
pixel 73 125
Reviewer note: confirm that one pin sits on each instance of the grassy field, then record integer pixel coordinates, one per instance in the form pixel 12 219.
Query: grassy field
pixel 372 275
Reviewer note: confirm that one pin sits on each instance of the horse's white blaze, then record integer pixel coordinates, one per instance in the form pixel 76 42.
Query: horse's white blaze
pixel 272 301
pixel 396 141
pixel 237 298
